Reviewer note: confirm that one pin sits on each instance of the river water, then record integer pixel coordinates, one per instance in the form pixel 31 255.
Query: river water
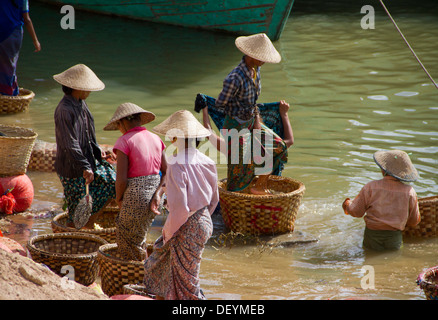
pixel 353 91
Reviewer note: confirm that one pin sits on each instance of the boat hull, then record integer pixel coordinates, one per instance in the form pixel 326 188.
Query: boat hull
pixel 242 17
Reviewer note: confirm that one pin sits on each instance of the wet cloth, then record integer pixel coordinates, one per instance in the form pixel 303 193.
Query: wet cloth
pixel 260 152
pixel 135 217
pixel 380 240
pixel 76 146
pixel 172 270
pixel 269 112
pixel 102 189
pixel 389 204
pixel 142 147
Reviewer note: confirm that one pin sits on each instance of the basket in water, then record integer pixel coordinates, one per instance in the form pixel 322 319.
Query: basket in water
pixel 59 251
pixel 16 146
pixel 14 104
pixel 116 272
pixel 428 226
pixel 428 281
pixel 262 214
pixel 105 225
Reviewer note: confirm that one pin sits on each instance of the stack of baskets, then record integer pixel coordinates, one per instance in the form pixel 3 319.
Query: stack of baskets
pixel 14 104
pixel 67 253
pixel 262 214
pixel 16 146
pixel 116 272
pixel 428 281
pixel 428 226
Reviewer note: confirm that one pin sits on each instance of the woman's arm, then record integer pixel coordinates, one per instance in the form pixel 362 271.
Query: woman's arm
pixel 287 127
pixel 121 176
pixel 156 199
pixel 29 27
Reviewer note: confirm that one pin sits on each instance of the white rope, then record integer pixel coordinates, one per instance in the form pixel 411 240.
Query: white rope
pixel 409 46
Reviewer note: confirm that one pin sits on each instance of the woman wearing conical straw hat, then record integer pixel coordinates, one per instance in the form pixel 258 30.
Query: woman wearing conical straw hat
pixel 172 270
pixel 140 159
pixel 241 89
pixel 389 204
pixel 79 159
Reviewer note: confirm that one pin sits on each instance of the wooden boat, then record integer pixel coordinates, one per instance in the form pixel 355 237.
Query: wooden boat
pixel 242 17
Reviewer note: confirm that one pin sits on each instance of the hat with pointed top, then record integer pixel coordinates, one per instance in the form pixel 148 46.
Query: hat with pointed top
pixel 80 77
pixel 259 47
pixel 182 124
pixel 396 163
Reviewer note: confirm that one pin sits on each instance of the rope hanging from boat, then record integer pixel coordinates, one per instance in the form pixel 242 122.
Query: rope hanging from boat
pixel 409 46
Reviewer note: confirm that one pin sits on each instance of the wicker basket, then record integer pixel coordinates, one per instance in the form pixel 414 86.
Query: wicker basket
pixel 107 221
pixel 15 149
pixel 137 289
pixel 116 272
pixel 428 281
pixel 262 214
pixel 43 157
pixel 14 104
pixel 58 250
pixel 428 226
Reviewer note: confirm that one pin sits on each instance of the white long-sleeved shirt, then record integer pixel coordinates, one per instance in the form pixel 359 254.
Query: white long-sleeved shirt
pixel 191 184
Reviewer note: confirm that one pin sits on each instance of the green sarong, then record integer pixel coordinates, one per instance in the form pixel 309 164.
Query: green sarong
pixel 381 240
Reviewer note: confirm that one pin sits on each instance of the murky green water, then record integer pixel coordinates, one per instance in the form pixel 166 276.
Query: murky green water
pixel 352 92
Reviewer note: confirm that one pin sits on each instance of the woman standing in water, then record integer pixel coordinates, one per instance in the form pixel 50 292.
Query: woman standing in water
pixel 79 159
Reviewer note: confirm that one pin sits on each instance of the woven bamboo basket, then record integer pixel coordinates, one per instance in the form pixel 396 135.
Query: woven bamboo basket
pixel 137 289
pixel 14 104
pixel 428 281
pixel 59 250
pixel 428 226
pixel 107 221
pixel 15 149
pixel 116 272
pixel 262 214
pixel 42 157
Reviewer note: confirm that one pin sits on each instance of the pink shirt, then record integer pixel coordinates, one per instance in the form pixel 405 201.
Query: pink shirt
pixel 389 204
pixel 191 184
pixel 144 150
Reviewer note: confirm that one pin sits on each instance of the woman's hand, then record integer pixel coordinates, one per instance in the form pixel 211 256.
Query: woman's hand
pixel 88 176
pixel 284 107
pixel 155 203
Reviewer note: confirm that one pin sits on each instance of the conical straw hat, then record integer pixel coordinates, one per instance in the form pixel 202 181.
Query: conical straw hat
pixel 259 47
pixel 182 124
pixel 396 163
pixel 80 77
pixel 127 109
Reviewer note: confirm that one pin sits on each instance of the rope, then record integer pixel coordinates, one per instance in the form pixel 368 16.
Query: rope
pixel 409 46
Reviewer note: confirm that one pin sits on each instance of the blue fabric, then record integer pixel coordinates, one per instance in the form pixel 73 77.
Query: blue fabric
pixel 11 16
pixel 268 111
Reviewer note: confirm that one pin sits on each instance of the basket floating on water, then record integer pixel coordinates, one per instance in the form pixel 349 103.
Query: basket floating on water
pixel 428 281
pixel 262 214
pixel 14 104
pixel 107 222
pixel 60 250
pixel 428 226
pixel 16 146
pixel 116 272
